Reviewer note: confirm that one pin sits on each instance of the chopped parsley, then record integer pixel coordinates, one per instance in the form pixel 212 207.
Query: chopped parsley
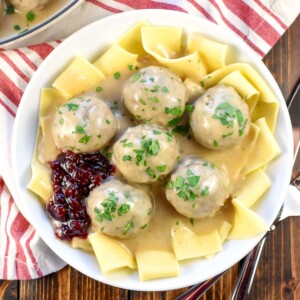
pixel 155 89
pixel 174 111
pixel 123 209
pixel 115 105
pixel 99 89
pixel 10 9
pixel 182 129
pixel 85 139
pixel 142 102
pixel 209 164
pixel 174 122
pixel 165 89
pixel 205 192
pixel 17 27
pixel 149 212
pixel 156 132
pixel 215 143
pixel 144 226
pixel 72 106
pixel 161 168
pixel 135 77
pixel 189 108
pixel 130 67
pixel 227 135
pixel 117 75
pixel 79 129
pixel 151 172
pixel 154 99
pixel 30 16
pixel 225 112
pixel 128 226
pixel 61 121
pixel 127 158
pixel 202 83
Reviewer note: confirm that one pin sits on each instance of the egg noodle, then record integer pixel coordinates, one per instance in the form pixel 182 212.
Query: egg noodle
pixel 171 237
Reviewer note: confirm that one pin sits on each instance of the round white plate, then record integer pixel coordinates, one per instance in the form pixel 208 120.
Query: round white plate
pixel 90 42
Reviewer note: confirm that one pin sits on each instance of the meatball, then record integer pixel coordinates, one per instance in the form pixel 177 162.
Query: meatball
pixel 119 209
pixel 83 124
pixel 197 188
pixel 155 95
pixel 220 118
pixel 27 5
pixel 145 153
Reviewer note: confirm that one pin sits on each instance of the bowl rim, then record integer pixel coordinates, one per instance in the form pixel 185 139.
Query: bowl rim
pixel 11 39
pixel 158 284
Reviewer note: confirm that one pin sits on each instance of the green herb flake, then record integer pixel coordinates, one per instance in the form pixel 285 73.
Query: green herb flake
pixel 85 139
pixel 151 172
pixel 156 132
pixel 192 221
pixel 182 129
pixel 128 226
pixel 127 158
pixel 150 211
pixel 151 79
pixel 61 121
pixel 130 67
pixel 205 192
pixel 154 99
pixel 193 181
pixel 241 131
pixel 107 121
pixel 202 83
pixel 165 89
pixel 189 108
pixel 17 27
pixel 174 122
pixel 30 16
pixel 215 143
pixel 117 75
pixel 155 89
pixel 129 145
pixel 115 105
pixel 174 111
pixel 79 129
pixel 142 102
pixel 123 209
pixel 144 226
pixel 99 89
pixel 72 106
pixel 161 168
pixel 10 9
pixel 135 77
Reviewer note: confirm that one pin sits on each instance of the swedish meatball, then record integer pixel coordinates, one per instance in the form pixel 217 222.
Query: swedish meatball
pixel 83 124
pixel 197 188
pixel 155 95
pixel 220 119
pixel 27 5
pixel 145 153
pixel 119 209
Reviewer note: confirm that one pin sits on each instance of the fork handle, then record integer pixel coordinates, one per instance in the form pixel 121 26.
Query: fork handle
pixel 243 286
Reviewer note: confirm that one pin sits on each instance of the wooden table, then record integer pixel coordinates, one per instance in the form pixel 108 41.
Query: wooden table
pixel 278 274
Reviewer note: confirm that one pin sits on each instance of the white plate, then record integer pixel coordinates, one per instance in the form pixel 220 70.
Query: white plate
pixel 12 39
pixel 89 42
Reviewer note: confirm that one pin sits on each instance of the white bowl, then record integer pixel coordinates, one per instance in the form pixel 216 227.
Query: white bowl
pixel 89 42
pixel 12 39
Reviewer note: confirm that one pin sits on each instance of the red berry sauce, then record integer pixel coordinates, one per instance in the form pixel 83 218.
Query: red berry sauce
pixel 73 177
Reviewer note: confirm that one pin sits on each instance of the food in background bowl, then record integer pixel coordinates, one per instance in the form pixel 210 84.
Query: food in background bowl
pixel 177 237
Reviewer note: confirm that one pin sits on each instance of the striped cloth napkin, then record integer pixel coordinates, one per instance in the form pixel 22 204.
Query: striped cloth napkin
pixel 23 255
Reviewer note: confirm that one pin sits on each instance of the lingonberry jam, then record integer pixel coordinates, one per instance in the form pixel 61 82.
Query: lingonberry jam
pixel 73 177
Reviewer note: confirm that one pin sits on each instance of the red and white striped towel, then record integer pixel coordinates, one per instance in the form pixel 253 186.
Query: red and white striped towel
pixel 23 255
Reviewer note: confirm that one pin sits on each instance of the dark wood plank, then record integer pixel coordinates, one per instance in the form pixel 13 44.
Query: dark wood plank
pixel 8 290
pixel 278 274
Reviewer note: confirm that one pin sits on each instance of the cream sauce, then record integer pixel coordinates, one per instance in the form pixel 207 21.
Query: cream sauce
pixel 165 216
pixel 9 21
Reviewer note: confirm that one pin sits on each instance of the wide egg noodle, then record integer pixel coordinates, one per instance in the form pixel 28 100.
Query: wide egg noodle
pixel 266 148
pixel 213 53
pixel 252 188
pixel 110 253
pixel 246 90
pixel 247 223
pixel 163 43
pixel 156 263
pixel 116 59
pixel 78 77
pixel 267 104
pixel 186 244
pixel 40 182
pixel 131 41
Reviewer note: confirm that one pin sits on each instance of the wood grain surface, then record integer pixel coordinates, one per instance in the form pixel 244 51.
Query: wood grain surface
pixel 278 274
